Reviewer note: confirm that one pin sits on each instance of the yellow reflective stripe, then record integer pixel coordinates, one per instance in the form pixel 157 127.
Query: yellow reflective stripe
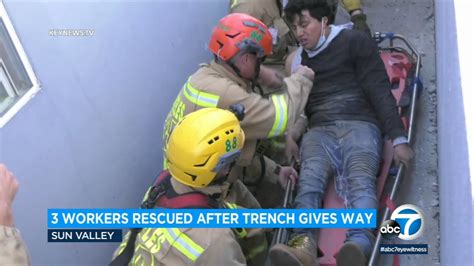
pixel 122 246
pixel 231 205
pixel 240 232
pixel 281 116
pixel 138 255
pixel 189 241
pixel 135 261
pixel 183 243
pixel 257 250
pixel 165 164
pixel 234 2
pixel 200 98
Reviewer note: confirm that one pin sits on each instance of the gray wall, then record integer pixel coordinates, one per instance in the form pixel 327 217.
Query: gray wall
pixel 456 201
pixel 92 136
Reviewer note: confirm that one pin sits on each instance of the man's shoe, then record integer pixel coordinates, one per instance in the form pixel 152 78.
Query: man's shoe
pixel 351 255
pixel 301 251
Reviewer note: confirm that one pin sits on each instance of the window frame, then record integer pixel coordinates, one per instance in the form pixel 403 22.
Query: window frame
pixel 25 98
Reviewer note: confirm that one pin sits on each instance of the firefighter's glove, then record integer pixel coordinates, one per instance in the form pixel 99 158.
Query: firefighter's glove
pixel 351 5
pixel 360 23
pixel 306 72
pixel 270 78
pixel 287 172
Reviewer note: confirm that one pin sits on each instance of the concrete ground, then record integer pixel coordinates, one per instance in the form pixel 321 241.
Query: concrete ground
pixel 415 20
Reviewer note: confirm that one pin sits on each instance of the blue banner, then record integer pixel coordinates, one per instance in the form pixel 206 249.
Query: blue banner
pixel 212 218
pixel 84 235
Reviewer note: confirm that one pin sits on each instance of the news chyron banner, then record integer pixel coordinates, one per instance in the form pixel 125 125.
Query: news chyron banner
pixel 105 225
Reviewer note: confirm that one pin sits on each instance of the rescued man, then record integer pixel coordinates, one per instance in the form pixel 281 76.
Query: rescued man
pixel 282 149
pixel 349 108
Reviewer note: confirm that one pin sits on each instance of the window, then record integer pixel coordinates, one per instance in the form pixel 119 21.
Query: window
pixel 18 83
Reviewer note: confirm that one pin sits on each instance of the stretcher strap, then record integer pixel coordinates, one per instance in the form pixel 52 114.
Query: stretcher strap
pixel 389 203
pixel 396 260
pixel 419 82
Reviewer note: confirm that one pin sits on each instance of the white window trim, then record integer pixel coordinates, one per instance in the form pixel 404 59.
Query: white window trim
pixel 26 63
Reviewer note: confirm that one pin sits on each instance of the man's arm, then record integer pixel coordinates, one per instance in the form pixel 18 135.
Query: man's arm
pixel 372 77
pixel 12 248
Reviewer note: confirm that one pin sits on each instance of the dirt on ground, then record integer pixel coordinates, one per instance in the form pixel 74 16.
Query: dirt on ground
pixel 415 20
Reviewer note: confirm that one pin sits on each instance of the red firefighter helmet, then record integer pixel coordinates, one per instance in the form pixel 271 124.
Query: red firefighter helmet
pixel 240 32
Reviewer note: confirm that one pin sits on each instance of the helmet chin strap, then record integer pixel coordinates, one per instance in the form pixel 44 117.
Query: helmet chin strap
pixel 235 68
pixel 219 180
pixel 257 69
pixel 255 78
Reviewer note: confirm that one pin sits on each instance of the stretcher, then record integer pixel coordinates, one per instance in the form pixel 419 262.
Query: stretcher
pixel 402 63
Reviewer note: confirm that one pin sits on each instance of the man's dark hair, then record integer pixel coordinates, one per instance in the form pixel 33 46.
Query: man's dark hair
pixel 317 9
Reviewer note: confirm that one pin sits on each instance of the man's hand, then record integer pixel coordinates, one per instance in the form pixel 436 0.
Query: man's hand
pixel 287 172
pixel 8 189
pixel 403 154
pixel 291 149
pixel 306 71
pixel 270 78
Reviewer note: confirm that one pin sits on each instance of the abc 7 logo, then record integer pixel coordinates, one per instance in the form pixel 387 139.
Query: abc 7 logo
pixel 406 223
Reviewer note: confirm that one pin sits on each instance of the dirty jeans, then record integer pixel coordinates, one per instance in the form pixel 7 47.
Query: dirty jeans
pixel 349 151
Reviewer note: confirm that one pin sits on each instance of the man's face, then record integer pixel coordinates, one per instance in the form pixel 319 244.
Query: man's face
pixel 307 29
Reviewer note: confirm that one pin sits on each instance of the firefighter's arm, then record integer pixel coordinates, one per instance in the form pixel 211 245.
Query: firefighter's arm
pixel 299 128
pixel 267 117
pixel 246 7
pixel 293 135
pixel 12 248
pixel 222 250
pixel 276 173
pixel 262 168
pixel 289 62
pixel 272 170
pixel 299 86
